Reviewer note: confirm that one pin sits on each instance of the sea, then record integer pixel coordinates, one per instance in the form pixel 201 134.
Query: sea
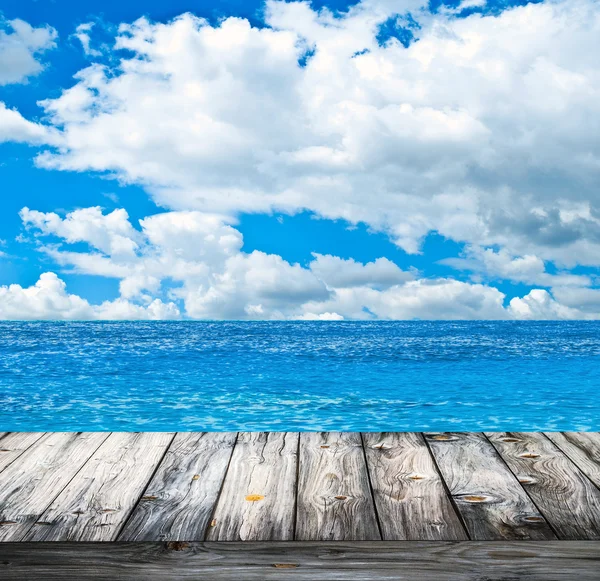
pixel 300 376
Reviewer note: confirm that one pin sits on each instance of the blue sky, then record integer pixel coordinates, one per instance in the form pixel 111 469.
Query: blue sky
pixel 374 159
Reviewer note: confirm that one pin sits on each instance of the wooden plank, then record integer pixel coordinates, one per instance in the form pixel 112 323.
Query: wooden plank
pixel 96 503
pixel 583 448
pixel 335 502
pixel 410 497
pixel 492 503
pixel 340 561
pixel 179 501
pixel 564 495
pixel 14 444
pixel 258 497
pixel 29 486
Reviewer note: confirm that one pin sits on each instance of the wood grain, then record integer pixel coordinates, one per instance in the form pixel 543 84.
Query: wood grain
pixel 29 486
pixel 583 448
pixel 179 501
pixel 339 561
pixel 96 503
pixel 334 495
pixel 14 444
pixel 410 497
pixel 492 503
pixel 258 497
pixel 564 495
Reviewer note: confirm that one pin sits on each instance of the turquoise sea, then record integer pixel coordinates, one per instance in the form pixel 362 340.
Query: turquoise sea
pixel 367 376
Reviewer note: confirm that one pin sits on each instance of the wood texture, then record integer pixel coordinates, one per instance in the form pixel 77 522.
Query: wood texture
pixel 493 504
pixel 179 501
pixel 258 497
pixel 339 561
pixel 12 445
pixel 583 448
pixel 29 486
pixel 96 503
pixel 566 497
pixel 336 487
pixel 334 495
pixel 410 497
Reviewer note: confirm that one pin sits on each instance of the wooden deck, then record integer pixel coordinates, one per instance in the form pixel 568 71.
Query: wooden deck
pixel 64 495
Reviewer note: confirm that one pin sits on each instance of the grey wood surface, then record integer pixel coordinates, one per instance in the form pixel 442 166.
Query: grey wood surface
pixel 257 501
pixel 583 448
pixel 29 486
pixel 96 503
pixel 335 502
pixel 566 497
pixel 410 497
pixel 493 504
pixel 316 561
pixel 179 501
pixel 14 444
pixel 334 486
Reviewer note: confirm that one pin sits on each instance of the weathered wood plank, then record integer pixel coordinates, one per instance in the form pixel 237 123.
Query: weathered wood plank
pixel 180 499
pixel 564 495
pixel 258 497
pixel 29 486
pixel 14 444
pixel 339 561
pixel 96 503
pixel 335 502
pixel 410 497
pixel 583 448
pixel 493 504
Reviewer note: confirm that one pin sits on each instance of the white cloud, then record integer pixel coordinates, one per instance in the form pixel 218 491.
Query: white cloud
pixel 82 34
pixel 483 130
pixel 48 299
pixel 501 265
pixel 339 273
pixel 111 233
pixel 20 47
pixel 14 127
pixel 197 260
pixel 539 304
pixel 419 299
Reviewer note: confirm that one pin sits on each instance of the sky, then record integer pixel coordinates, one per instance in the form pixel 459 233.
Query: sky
pixel 325 160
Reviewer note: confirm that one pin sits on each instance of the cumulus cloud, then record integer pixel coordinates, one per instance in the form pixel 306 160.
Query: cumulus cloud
pixel 339 273
pixel 14 127
pixel 483 129
pixel 21 45
pixel 501 265
pixel 196 260
pixel 540 305
pixel 48 299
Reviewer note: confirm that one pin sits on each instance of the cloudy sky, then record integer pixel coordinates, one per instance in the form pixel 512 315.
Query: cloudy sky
pixel 229 159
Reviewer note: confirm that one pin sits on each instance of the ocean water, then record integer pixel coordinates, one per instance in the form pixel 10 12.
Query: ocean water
pixel 367 376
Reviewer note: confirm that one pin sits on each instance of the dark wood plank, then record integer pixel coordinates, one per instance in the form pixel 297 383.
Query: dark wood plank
pixel 258 497
pixel 96 503
pixel 410 497
pixel 179 501
pixel 335 502
pixel 583 448
pixel 564 495
pixel 29 486
pixel 339 561
pixel 14 444
pixel 493 504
